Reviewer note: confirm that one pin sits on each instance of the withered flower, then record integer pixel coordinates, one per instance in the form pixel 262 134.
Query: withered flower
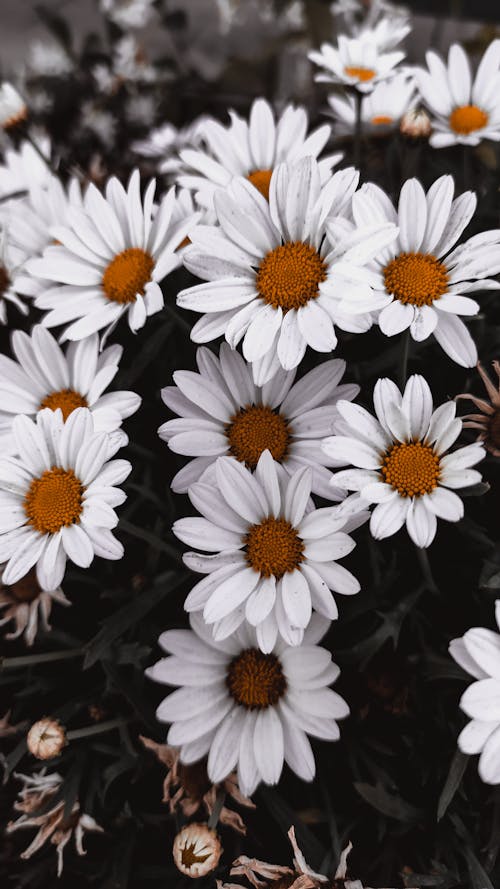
pixel 46 738
pixel 24 602
pixel 197 850
pixel 488 421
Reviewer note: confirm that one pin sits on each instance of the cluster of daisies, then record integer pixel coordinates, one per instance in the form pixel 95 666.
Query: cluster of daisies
pixel 289 248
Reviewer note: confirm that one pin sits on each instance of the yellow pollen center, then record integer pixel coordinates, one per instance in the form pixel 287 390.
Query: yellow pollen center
pixel 255 680
pixel 189 856
pixel 261 179
pixel 254 429
pixel 411 469
pixel 290 275
pixel 416 278
pixel 382 120
pixel 468 118
pixel 54 500
pixel 25 590
pixel 127 275
pixel 362 74
pixel 273 547
pixel 66 399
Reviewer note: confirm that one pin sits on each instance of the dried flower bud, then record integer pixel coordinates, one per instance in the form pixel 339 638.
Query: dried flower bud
pixel 13 109
pixel 416 124
pixel 196 850
pixel 46 738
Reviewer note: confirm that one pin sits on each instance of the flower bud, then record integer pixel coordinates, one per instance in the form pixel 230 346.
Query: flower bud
pixel 416 124
pixel 46 738
pixel 196 850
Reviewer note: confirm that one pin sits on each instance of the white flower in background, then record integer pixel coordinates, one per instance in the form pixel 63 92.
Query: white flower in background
pixel 222 411
pixel 57 497
pixel 356 62
pixel 110 259
pixel 252 149
pixel 246 709
pixel 11 260
pixel 13 108
pixel 274 556
pixel 53 822
pixel 25 603
pixel 388 31
pixel 276 270
pixel 24 168
pixel 140 111
pixel 48 59
pixel 478 653
pixel 32 222
pixel 417 282
pixel 128 13
pixel 402 459
pixel 381 110
pixel 45 377
pixel 465 110
pixel 99 122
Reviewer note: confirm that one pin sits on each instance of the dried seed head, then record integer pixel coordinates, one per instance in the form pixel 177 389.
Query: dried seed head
pixel 197 850
pixel 46 738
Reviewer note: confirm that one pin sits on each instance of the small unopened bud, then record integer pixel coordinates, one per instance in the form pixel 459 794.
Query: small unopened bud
pixel 196 850
pixel 46 738
pixel 416 124
pixel 13 108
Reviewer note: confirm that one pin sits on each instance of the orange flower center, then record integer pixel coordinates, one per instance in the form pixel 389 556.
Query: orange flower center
pixel 255 680
pixel 468 118
pixel 261 179
pixel 362 74
pixel 253 430
pixel 382 120
pixel 412 469
pixel 416 278
pixel 25 590
pixel 12 122
pixel 273 547
pixel 54 500
pixel 127 275
pixel 66 399
pixel 290 275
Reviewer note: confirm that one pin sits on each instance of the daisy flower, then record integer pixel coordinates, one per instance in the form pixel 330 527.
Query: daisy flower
pixel 488 420
pixel 381 110
pixel 252 149
pixel 355 61
pixel 274 555
pixel 402 460
pixel 246 709
pixel 46 377
pixel 25 603
pixel 222 411
pixel 466 111
pixel 277 270
pixel 478 653
pixel 111 257
pixel 419 282
pixel 57 497
pixel 24 168
pixel 128 13
pixel 13 108
pixel 11 260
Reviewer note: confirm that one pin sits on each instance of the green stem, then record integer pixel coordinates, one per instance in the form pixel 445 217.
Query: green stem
pixel 427 574
pixel 98 729
pixel 217 809
pixel 403 361
pixel 11 663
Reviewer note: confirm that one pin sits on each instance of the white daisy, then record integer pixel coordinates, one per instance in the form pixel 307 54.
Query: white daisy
pixel 246 709
pixel 25 603
pixel 57 497
pixel 45 377
pixel 252 149
pixel 277 269
pixel 24 168
pixel 110 260
pixel 11 260
pixel 128 13
pixel 48 59
pixel 222 411
pixel 465 110
pixel 478 653
pixel 13 108
pixel 402 460
pixel 417 282
pixel 274 555
pixel 381 110
pixel 355 61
